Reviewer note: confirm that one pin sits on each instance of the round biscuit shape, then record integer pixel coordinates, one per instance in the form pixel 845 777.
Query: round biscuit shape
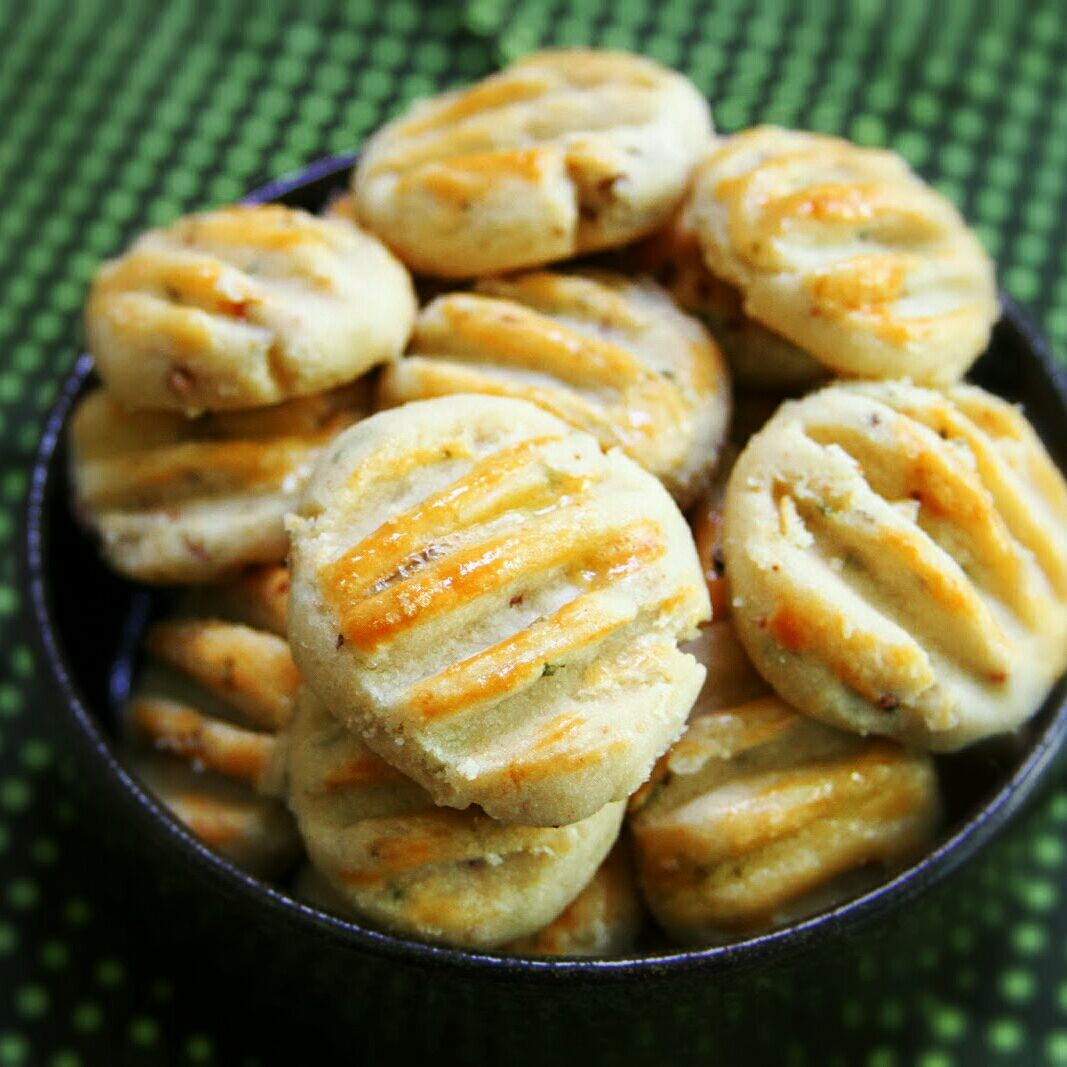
pixel 178 500
pixel 563 152
pixel 456 877
pixel 611 356
pixel 847 253
pixel 494 605
pixel 759 816
pixel 245 306
pixel 897 559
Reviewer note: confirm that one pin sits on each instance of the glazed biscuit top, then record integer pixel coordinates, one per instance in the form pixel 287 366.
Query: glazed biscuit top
pixel 898 560
pixel 495 604
pixel 562 152
pixel 609 355
pixel 847 253
pixel 245 306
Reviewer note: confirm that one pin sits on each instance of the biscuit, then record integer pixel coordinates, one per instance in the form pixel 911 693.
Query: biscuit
pixel 563 152
pixel 604 919
pixel 202 730
pixel 609 355
pixel 456 877
pixel 847 253
pixel 253 831
pixel 494 605
pixel 758 357
pixel 759 816
pixel 898 561
pixel 243 307
pixel 194 500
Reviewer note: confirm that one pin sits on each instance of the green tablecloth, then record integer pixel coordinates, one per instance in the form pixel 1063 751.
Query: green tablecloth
pixel 116 118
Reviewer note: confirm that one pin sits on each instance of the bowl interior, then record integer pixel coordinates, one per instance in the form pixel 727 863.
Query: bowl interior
pixel 89 622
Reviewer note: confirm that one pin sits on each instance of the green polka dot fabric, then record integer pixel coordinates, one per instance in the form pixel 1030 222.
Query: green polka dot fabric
pixel 116 118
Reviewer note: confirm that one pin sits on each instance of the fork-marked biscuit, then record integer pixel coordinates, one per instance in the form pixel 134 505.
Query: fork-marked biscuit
pixel 898 561
pixel 847 253
pixel 243 307
pixel 563 152
pixel 494 604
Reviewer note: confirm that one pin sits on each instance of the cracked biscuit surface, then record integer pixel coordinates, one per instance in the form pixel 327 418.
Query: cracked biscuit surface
pixel 611 356
pixel 193 500
pixel 847 253
pixel 563 152
pixel 243 307
pixel 898 561
pixel 494 604
pixel 458 877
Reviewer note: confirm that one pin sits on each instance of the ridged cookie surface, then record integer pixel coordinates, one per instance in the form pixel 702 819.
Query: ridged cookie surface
pixel 245 306
pixel 847 253
pixel 562 152
pixel 494 604
pixel 758 357
pixel 759 815
pixel 611 356
pixel 898 561
pixel 438 874
pixel 192 500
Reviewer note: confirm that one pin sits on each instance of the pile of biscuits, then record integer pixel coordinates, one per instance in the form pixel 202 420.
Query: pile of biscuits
pixel 447 644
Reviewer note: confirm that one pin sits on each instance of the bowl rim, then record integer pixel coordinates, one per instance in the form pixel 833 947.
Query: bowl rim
pixel 303 919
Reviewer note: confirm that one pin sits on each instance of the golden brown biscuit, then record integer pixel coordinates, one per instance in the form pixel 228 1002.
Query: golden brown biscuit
pixel 243 307
pixel 202 729
pixel 438 874
pixel 758 357
pixel 604 919
pixel 194 500
pixel 759 816
pixel 847 253
pixel 898 561
pixel 610 356
pixel 561 153
pixel 494 604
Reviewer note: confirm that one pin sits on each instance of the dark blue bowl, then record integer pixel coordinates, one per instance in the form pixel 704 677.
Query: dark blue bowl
pixel 84 618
